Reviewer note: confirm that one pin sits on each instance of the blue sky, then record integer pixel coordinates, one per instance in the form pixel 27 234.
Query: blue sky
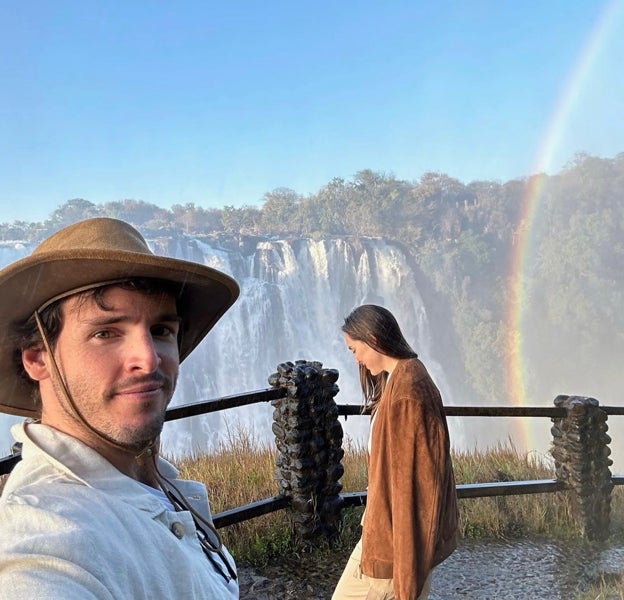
pixel 218 103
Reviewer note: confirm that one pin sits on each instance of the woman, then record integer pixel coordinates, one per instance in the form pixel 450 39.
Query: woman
pixel 410 522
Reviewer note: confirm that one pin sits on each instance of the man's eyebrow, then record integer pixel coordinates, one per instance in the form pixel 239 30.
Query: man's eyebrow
pixel 170 317
pixel 112 319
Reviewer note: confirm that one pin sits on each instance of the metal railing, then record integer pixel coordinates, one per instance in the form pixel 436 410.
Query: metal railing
pixel 470 490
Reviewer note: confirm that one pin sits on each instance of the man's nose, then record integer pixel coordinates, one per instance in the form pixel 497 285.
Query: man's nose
pixel 143 353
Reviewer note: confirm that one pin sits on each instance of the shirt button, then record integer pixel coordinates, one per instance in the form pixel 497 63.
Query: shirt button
pixel 178 529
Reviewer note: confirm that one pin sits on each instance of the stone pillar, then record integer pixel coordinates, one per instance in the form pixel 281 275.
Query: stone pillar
pixel 581 452
pixel 309 440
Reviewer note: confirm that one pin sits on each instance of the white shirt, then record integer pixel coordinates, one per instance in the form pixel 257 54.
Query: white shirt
pixel 73 527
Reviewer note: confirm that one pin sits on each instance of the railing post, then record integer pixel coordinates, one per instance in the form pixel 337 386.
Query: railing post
pixel 581 452
pixel 309 440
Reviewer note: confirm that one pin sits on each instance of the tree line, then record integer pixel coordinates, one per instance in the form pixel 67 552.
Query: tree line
pixel 461 239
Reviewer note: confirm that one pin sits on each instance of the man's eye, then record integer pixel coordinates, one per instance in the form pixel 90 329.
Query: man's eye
pixel 102 334
pixel 164 331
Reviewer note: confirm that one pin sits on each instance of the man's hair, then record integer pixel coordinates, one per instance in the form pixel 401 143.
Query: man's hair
pixel 27 335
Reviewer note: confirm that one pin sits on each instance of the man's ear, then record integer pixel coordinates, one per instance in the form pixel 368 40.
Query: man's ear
pixel 34 363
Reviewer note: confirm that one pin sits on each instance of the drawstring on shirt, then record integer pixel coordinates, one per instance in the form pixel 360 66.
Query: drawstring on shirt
pixel 205 529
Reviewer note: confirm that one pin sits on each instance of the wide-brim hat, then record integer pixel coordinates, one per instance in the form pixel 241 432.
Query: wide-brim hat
pixel 87 253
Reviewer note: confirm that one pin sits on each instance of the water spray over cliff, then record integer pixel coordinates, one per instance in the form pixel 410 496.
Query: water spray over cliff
pixel 294 297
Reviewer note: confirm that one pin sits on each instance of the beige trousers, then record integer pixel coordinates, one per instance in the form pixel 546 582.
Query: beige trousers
pixel 354 585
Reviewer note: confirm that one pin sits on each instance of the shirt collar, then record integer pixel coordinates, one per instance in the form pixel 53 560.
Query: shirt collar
pixel 82 463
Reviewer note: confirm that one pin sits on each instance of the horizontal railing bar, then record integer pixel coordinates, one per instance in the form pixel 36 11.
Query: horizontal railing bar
pixel 481 490
pixel 479 411
pixel 346 410
pixel 509 488
pixel 351 499
pixel 266 506
pixel 250 511
pixel 189 410
pixel 209 406
pixel 505 411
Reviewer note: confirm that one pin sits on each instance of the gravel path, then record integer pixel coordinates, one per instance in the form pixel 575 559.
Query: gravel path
pixel 477 570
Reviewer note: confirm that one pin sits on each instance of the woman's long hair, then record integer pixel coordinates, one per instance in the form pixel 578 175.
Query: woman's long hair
pixel 376 326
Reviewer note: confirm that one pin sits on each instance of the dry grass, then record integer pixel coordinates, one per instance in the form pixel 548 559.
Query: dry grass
pixel 511 516
pixel 603 591
pixel 242 471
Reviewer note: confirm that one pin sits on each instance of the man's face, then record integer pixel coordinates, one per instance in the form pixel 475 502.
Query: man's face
pixel 120 365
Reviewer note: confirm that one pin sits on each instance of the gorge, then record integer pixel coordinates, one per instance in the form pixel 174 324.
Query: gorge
pixel 294 297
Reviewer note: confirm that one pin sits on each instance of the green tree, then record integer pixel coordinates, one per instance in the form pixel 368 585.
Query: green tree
pixel 138 212
pixel 241 220
pixel 281 212
pixel 71 212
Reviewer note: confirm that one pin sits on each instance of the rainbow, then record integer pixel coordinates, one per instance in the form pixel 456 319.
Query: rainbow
pixel 524 243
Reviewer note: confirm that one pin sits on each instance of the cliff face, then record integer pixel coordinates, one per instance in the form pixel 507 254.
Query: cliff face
pixel 294 297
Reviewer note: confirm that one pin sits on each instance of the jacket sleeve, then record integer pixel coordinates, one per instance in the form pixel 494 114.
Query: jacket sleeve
pixel 418 455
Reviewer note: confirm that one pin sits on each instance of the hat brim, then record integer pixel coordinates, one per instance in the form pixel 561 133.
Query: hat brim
pixel 29 283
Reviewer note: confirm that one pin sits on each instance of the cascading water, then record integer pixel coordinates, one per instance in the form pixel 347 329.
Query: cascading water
pixel 294 297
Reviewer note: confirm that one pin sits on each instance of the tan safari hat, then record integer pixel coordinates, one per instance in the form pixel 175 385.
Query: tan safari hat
pixel 87 253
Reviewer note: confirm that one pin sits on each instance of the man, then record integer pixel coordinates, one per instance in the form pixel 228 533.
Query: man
pixel 93 327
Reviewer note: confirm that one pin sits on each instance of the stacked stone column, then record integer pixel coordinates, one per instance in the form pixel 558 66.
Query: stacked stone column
pixel 581 452
pixel 309 440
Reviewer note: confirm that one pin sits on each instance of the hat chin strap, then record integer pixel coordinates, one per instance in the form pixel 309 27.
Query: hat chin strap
pixel 146 451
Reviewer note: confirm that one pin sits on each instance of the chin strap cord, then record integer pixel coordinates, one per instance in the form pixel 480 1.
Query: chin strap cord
pixel 206 531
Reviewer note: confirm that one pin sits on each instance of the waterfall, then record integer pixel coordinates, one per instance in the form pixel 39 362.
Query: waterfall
pixel 294 297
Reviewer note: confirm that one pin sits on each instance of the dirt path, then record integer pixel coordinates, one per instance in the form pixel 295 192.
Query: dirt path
pixel 477 570
pixel 293 578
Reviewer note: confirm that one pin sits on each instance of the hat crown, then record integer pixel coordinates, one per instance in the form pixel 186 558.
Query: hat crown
pixel 99 233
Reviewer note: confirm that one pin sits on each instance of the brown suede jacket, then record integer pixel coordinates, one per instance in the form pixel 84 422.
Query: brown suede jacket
pixel 410 524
